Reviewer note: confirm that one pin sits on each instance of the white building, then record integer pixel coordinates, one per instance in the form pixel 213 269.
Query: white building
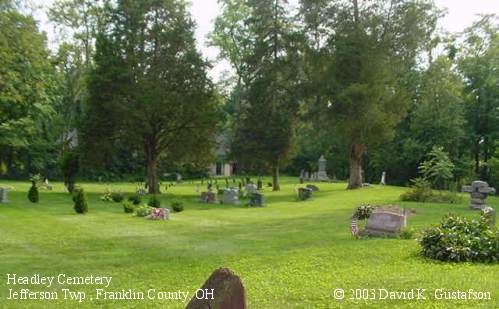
pixel 222 167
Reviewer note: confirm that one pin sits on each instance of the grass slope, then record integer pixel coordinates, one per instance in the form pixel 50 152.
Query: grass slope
pixel 289 255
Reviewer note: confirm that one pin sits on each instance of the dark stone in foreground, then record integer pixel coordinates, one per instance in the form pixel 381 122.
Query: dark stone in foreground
pixel 228 292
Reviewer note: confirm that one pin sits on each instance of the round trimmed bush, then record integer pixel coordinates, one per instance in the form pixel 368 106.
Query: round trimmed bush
pixel 143 211
pixel 177 206
pixel 458 239
pixel 80 200
pixel 33 195
pixel 128 207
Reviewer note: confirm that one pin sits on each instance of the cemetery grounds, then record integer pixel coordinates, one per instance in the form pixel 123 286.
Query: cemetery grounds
pixel 289 254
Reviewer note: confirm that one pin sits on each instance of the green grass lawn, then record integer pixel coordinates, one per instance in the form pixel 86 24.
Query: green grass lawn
pixel 289 254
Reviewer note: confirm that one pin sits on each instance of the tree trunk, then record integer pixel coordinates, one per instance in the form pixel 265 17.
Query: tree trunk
pixel 151 153
pixel 356 155
pixel 275 179
pixel 476 155
pixel 152 180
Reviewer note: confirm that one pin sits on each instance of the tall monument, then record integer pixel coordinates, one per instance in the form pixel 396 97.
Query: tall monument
pixel 322 174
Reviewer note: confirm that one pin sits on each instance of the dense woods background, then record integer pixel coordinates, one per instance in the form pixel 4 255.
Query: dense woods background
pixel 372 85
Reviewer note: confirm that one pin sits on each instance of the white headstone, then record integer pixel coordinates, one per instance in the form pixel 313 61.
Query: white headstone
pixel 231 196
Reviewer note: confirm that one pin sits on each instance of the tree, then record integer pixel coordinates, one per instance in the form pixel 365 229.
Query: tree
pixel 77 22
pixel 366 49
pixel 438 116
pixel 28 89
pixel 149 87
pixel 438 168
pixel 80 18
pixel 479 65
pixel 259 39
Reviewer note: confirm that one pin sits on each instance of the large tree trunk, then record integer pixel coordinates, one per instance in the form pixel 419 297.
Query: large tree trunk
pixel 152 180
pixel 356 155
pixel 275 179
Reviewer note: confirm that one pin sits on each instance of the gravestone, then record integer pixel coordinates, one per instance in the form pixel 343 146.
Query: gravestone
pixel 47 185
pixel 179 178
pixel 383 179
pixel 389 220
pixel 490 214
pixel 257 200
pixel 322 174
pixel 304 194
pixel 250 188
pixel 159 214
pixel 231 196
pixel 228 291
pixel 209 197
pixel 314 188
pixel 479 190
pixel 3 196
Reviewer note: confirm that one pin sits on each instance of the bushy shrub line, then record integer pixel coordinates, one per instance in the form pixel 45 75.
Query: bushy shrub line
pixel 421 192
pixel 458 239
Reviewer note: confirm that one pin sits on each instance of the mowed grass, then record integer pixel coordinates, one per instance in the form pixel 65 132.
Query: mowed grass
pixel 289 254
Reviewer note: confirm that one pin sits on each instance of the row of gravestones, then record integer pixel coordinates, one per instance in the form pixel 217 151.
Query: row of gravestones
pixel 231 196
pixel 391 220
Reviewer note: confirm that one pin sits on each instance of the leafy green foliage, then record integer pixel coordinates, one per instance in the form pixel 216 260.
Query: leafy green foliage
pixel 407 233
pixel 259 39
pixel 80 200
pixel 135 199
pixel 33 195
pixel 458 239
pixel 128 207
pixel 438 168
pixel 143 211
pixel 177 206
pixel 478 63
pixel 150 89
pixel 28 90
pixel 117 196
pixel 363 212
pixel 357 76
pixel 421 192
pixel 154 201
